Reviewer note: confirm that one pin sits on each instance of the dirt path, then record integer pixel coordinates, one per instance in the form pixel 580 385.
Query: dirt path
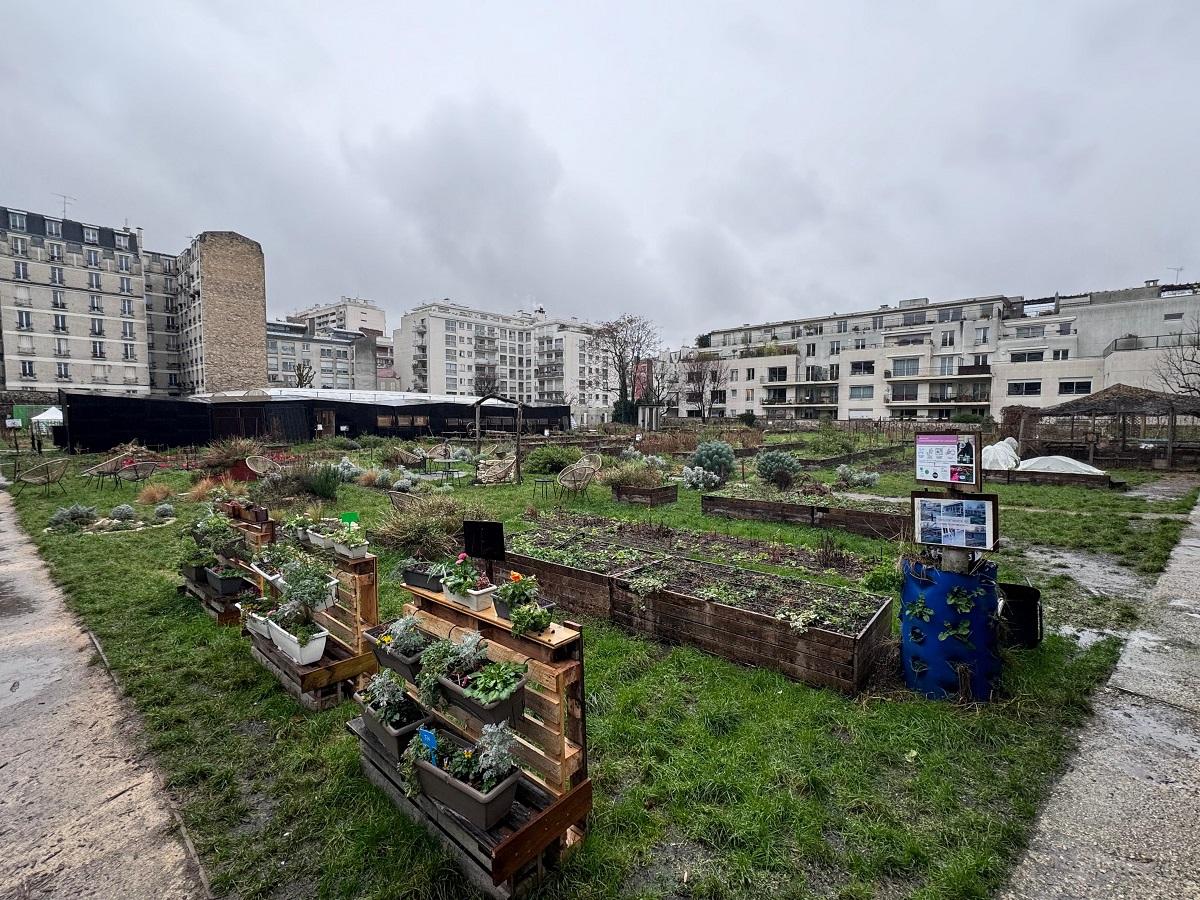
pixel 81 811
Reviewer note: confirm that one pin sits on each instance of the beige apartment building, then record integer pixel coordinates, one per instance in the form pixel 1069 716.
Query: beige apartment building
pixel 348 314
pixel 932 360
pixel 72 313
pixel 450 349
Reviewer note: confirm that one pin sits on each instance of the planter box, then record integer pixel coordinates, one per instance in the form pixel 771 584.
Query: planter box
pixel 510 710
pixel 254 623
pixel 267 576
pixel 319 540
pixel 481 810
pixel 254 514
pixel 889 526
pixel 226 587
pixel 474 600
pixel 656 496
pixel 406 667
pixel 391 741
pixel 417 579
pixel 194 574
pixel 358 551
pixel 502 608
pixel 331 598
pixel 290 647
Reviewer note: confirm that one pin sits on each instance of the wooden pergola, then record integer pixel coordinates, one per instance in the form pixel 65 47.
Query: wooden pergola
pixel 478 405
pixel 1121 401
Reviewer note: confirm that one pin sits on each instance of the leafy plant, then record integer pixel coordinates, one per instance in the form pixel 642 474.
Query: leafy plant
pixel 447 658
pixel 798 619
pixel 321 480
pixel 962 631
pixel 386 696
pixel 518 590
pixel 123 513
pixel 850 477
pixel 714 456
pixel 884 579
pixel 73 517
pixel 495 681
pixel 643 585
pixel 164 511
pixel 349 534
pixel 462 576
pixel 778 468
pixel 404 638
pixel 962 600
pixel 550 459
pixel 700 479
pixel 528 619
pixel 482 766
pixel 918 609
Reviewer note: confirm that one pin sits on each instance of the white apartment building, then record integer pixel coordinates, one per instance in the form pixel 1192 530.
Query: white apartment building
pixel 71 306
pixel 328 352
pixel 348 314
pixel 451 349
pixel 923 360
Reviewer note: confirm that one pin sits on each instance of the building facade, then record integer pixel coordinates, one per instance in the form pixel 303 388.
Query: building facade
pixel 447 348
pixel 349 314
pixel 72 313
pixel 923 360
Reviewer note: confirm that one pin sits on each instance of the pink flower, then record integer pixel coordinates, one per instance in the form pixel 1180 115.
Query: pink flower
pixel 462 557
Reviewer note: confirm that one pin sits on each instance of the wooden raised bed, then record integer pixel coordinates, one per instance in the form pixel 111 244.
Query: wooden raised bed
pixel 1012 476
pixel 578 591
pixel 652 496
pixel 814 656
pixel 888 526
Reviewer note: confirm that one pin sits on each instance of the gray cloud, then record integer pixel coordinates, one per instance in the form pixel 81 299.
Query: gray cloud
pixel 682 161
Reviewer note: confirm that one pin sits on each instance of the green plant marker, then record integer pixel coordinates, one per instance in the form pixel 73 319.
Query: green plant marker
pixel 349 517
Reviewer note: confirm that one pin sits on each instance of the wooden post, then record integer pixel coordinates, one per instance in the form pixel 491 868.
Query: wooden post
pixel 478 431
pixel 1122 432
pixel 517 471
pixel 1171 438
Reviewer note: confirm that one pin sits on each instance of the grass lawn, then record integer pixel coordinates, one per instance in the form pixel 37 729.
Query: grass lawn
pixel 739 781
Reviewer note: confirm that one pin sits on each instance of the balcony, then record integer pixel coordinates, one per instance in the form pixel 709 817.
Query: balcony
pixel 23 301
pixel 58 304
pixel 26 351
pixel 973 398
pixel 936 372
pixel 899 401
pixel 774 401
pixel 1150 342
pixel 62 353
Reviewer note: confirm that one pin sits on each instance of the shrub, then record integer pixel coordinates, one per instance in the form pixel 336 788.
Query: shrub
pixel 201 489
pixel 656 462
pixel 371 441
pixel 428 529
pixel 228 451
pixel 630 454
pixel 337 442
pixel 404 485
pixel 698 479
pixel 715 457
pixel 885 578
pixel 123 513
pixel 632 475
pixel 164 511
pixel 153 493
pixel 368 478
pixel 346 470
pixel 384 477
pixel 322 480
pixel 777 467
pixel 462 454
pixel 550 459
pixel 748 418
pixel 73 517
pixel 849 477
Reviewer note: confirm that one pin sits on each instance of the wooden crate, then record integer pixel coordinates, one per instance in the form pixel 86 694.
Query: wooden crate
pixel 551 736
pixel 219 608
pixel 888 526
pixel 505 861
pixel 321 685
pixel 647 496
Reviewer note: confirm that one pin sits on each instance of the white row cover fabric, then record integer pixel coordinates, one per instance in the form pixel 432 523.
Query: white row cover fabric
pixel 1058 464
pixel 1002 455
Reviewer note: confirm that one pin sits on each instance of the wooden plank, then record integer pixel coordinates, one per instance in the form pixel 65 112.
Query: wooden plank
pixel 525 845
pixel 555 637
pixel 341 670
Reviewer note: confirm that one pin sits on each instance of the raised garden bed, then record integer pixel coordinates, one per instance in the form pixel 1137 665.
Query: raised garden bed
pixel 878 520
pixel 1075 479
pixel 646 496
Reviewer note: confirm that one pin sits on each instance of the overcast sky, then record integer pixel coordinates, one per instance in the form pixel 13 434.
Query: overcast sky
pixel 705 164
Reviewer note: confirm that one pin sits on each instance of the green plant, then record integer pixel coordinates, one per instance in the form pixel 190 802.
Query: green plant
pixel 518 590
pixel 123 513
pixel 258 604
pixel 349 534
pixel 445 658
pixel 884 579
pixel 962 600
pixel 404 638
pixel 918 609
pixel 777 467
pixel 643 585
pixel 495 681
pixel 216 532
pixel 632 475
pixel 428 528
pixel 321 480
pixel 799 620
pixel 962 631
pixel 550 459
pixel 528 619
pixel 164 511
pixel 72 518
pixel 700 479
pixel 386 696
pixel 714 456
pixel 747 418
pixel 850 477
pixel 461 576
pixel 483 766
pixel 306 580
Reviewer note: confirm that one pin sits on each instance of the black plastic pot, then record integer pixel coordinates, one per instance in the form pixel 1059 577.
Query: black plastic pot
pixel 1022 615
pixel 194 574
pixel 226 587
pixel 510 710
pixel 481 810
pixel 391 741
pixel 422 580
pixel 406 667
pixel 502 607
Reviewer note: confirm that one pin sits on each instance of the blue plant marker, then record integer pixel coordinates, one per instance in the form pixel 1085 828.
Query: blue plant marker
pixel 428 738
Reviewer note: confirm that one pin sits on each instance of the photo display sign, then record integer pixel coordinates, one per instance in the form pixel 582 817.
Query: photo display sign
pixel 966 523
pixel 949 459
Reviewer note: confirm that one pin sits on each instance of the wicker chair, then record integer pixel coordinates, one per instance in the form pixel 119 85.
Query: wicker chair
pixel 106 469
pixel 262 466
pixel 136 472
pixel 496 471
pixel 440 451
pixel 595 460
pixel 407 458
pixel 46 474
pixel 573 481
pixel 401 500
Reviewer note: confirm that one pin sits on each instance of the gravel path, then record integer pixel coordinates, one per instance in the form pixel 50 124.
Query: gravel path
pixel 81 810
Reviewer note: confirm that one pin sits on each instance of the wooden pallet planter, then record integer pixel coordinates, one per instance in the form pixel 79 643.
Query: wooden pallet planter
pixel 887 526
pixel 646 496
pixel 218 607
pixel 508 860
pixel 814 656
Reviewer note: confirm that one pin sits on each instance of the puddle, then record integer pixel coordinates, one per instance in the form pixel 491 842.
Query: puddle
pixel 12 603
pixel 1096 573
pixel 1169 487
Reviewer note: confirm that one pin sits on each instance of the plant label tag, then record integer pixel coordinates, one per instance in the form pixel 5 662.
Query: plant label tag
pixel 349 517
pixel 428 738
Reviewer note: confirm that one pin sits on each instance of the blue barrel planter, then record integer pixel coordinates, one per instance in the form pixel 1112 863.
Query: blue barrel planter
pixel 949 632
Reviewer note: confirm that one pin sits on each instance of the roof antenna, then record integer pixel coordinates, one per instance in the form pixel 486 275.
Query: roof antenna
pixel 1177 270
pixel 67 200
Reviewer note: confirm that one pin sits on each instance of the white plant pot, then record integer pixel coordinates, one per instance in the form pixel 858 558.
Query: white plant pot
pixel 473 600
pixel 359 551
pixel 290 647
pixel 319 540
pixel 254 622
pixel 275 579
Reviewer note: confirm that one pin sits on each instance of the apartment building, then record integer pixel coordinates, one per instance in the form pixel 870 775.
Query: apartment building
pixel 348 314
pixel 926 360
pixel 72 313
pixel 448 348
pixel 160 274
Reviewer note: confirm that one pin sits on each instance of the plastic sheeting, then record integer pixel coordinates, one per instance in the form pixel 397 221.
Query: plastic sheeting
pixel 1002 455
pixel 1058 464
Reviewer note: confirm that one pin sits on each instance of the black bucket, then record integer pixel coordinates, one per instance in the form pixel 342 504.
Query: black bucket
pixel 1022 616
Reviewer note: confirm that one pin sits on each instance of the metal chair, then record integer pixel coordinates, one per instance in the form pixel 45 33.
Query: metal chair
pixel 440 451
pixel 573 481
pixel 407 458
pixel 262 466
pixel 106 469
pixel 495 471
pixel 46 474
pixel 595 460
pixel 137 472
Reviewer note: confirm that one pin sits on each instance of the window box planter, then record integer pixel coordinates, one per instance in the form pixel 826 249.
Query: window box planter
pixel 255 623
pixel 509 710
pixel 290 647
pixel 503 609
pixel 271 576
pixel 407 667
pixel 647 496
pixel 472 600
pixel 357 551
pixel 252 512
pixel 481 810
pixel 318 539
pixel 330 599
pixel 194 574
pixel 418 579
pixel 225 586
pixel 392 741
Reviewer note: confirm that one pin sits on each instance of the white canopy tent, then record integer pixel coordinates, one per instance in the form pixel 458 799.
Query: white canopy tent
pixel 46 420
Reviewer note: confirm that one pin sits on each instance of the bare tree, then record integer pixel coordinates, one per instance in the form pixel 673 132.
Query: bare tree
pixel 705 377
pixel 625 342
pixel 486 384
pixel 658 384
pixel 305 375
pixel 1179 365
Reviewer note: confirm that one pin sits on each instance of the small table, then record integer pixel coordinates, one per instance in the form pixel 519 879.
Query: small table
pixel 542 487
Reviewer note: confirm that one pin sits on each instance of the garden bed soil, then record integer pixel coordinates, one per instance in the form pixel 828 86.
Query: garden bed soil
pixel 857 517
pixel 577 578
pixel 646 496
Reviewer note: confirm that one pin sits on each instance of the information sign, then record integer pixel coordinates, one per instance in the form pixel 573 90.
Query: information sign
pixel 949 459
pixel 967 523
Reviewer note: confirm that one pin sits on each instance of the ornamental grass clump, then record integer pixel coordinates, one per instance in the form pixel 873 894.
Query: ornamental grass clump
pixel 429 528
pixel 714 456
pixel 228 452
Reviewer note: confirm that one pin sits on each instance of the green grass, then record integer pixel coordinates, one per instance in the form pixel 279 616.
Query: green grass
pixel 756 785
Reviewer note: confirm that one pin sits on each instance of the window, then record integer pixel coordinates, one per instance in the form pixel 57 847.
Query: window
pixel 1027 356
pixel 866 367
pixel 127 330
pixel 749 374
pixel 1065 328
pixel 914 318
pixel 20 247
pixel 61 348
pixel 95 303
pixel 91 235
pixel 1031 331
pixel 127 306
pixel 53 228
pixel 127 352
pixel 1024 389
pixel 947 365
pixel 273 345
pixel 877 322
pixel 750 394
pixel 122 243
pixel 93 258
pixel 860 343
pixel 810 349
pixel 904 392
pixel 1075 387
pixel 58 300
pixel 98 349
pixel 172 379
pixel 54 251
pixel 26 368
pixel 947 338
pixel 949 315
pixel 21 270
pixel 56 275
pixel 981 335
pixel 1173 317
pixel 906 366
pixel 126 284
pixel 862 392
pixel 1062 354
pixel 835 348
pixel 94 281
pixel 981 359
pixel 60 322
pixel 97 326
pixel 24 320
pixel 843 326
pixel 16 221
pixel 123 263
pixel 834 370
pixel 777 373
pixel 63 370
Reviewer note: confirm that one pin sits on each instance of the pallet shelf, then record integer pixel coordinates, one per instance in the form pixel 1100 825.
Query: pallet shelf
pixel 218 607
